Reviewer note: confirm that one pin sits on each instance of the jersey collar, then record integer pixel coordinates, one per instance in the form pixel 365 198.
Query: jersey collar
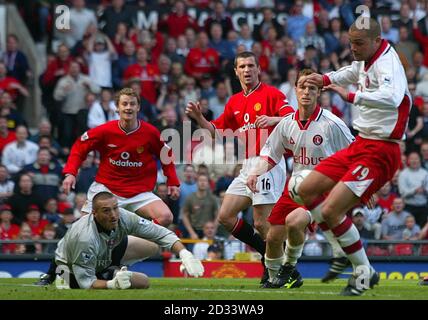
pixel 314 117
pixel 130 132
pixel 383 47
pixel 251 91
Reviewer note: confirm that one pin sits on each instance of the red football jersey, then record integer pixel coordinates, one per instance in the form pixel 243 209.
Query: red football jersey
pixel 127 160
pixel 241 111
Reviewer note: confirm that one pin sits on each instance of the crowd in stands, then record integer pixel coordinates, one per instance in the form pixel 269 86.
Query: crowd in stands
pixel 183 59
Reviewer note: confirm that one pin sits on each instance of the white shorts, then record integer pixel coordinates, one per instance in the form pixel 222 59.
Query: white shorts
pixel 270 184
pixel 131 204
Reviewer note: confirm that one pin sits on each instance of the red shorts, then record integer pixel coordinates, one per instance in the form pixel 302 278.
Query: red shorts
pixel 282 208
pixel 365 166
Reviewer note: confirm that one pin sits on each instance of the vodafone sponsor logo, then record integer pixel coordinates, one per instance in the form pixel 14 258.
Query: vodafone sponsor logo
pixel 124 161
pixel 303 158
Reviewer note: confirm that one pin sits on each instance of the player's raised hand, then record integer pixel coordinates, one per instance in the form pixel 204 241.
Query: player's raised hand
pixel 174 192
pixel 193 110
pixel 252 183
pixel 342 92
pixel 264 121
pixel 314 79
pixel 69 183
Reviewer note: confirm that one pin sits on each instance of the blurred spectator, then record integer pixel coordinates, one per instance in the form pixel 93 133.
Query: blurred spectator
pixel 412 230
pixel 405 46
pixel 188 185
pixel 200 249
pixel 102 110
pixel 86 175
pixel 359 220
pixel 261 57
pixel 313 247
pixel 45 130
pixel 261 30
pixel 19 153
pixel 199 207
pixel 221 17
pixel 332 36
pixel 162 193
pixel 388 32
pixel 34 220
pixel 46 174
pixel 15 60
pixel 296 23
pixel 80 18
pixel 6 185
pixel 420 69
pixel 404 20
pixel 71 91
pixel 395 222
pixel 8 230
pixel 325 102
pixel 114 14
pixel 124 60
pixel 386 197
pixel 145 72
pixel 8 110
pixel 245 37
pixel 23 197
pixel 190 91
pixel 217 102
pixel 6 136
pixel 175 23
pixel 171 51
pixel 288 87
pixel 424 153
pixel 202 59
pixel 10 84
pixel 48 233
pixel 207 89
pixel 67 220
pixel 50 212
pixel 79 201
pixel 100 55
pixel 413 185
pixel 339 9
pixel 310 38
pixel 25 233
pixel 214 252
pixel 218 43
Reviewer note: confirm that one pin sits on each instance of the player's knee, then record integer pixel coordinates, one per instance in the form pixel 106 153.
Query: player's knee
pixel 260 225
pixel 276 236
pixel 165 218
pixel 292 222
pixel 226 220
pixel 327 211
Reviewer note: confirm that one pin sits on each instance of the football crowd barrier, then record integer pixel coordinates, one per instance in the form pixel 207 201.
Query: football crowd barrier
pixel 392 259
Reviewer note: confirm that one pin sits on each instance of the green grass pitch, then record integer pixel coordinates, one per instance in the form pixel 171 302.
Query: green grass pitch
pixel 213 289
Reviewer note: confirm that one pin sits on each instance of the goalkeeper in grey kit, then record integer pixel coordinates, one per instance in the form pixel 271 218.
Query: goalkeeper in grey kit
pixel 110 237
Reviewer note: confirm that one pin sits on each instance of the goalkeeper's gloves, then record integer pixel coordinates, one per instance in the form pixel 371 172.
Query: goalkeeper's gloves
pixel 190 264
pixel 122 280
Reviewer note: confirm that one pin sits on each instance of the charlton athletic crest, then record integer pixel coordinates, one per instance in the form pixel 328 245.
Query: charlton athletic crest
pixel 317 140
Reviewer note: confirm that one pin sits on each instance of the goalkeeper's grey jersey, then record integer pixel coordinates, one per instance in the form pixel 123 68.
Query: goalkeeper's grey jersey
pixel 87 251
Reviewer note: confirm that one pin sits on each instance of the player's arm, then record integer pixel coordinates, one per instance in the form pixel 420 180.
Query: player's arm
pixel 87 142
pixel 193 110
pixel 164 237
pixel 391 89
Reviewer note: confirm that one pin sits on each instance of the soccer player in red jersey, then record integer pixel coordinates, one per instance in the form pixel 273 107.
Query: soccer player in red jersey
pixel 251 114
pixel 128 148
pixel 354 174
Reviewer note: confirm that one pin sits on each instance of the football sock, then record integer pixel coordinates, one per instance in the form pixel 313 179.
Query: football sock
pixel 273 265
pixel 349 239
pixel 335 246
pixel 293 253
pixel 246 233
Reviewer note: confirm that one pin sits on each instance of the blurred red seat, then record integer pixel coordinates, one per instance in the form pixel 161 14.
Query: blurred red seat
pixel 403 249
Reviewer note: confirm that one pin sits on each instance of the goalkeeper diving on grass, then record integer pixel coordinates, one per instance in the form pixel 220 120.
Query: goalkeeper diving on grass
pixel 95 252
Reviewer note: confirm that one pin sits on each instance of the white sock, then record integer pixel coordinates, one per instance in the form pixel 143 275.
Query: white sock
pixel 293 253
pixel 273 265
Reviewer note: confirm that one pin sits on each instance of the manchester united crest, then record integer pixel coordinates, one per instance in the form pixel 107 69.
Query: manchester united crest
pixel 140 149
pixel 257 106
